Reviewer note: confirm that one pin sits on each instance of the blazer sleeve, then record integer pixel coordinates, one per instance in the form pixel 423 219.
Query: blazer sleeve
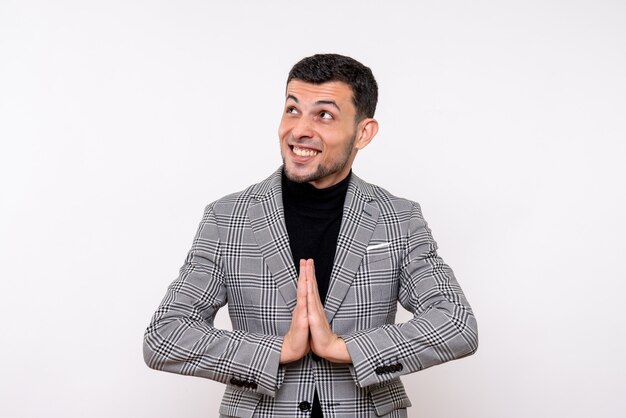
pixel 443 326
pixel 181 337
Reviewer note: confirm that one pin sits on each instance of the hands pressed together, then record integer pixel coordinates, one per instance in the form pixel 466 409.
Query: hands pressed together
pixel 309 330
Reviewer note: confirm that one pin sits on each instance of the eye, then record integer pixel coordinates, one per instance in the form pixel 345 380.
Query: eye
pixel 326 115
pixel 291 110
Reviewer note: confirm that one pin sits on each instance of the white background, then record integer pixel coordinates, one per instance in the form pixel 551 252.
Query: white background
pixel 120 120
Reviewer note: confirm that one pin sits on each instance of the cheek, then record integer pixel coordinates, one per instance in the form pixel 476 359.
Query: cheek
pixel 283 128
pixel 333 141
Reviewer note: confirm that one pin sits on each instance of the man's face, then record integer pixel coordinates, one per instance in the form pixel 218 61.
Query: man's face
pixel 318 132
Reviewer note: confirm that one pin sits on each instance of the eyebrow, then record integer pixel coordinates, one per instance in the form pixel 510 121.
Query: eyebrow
pixel 318 103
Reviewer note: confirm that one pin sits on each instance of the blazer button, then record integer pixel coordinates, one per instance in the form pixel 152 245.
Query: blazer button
pixel 304 406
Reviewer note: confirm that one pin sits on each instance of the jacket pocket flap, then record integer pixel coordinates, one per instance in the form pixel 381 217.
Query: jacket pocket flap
pixel 389 397
pixel 239 403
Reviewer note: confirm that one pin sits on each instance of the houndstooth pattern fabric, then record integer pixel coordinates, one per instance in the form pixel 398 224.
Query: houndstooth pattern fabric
pixel 241 257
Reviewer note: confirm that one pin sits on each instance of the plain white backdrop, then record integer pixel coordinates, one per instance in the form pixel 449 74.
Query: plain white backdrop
pixel 121 120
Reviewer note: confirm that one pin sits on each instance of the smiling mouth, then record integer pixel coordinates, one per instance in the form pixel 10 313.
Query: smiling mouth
pixel 304 152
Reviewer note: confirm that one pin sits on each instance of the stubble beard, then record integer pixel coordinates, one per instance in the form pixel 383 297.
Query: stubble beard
pixel 323 171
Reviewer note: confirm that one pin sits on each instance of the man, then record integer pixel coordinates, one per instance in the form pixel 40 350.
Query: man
pixel 312 262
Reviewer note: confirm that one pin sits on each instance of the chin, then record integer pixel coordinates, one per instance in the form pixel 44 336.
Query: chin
pixel 296 178
pixel 300 176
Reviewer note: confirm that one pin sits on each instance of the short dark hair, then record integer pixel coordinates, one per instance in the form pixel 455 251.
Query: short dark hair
pixel 322 68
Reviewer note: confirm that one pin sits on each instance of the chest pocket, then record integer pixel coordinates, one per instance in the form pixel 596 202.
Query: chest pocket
pixel 377 252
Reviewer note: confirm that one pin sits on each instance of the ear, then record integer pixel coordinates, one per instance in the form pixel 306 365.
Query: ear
pixel 366 131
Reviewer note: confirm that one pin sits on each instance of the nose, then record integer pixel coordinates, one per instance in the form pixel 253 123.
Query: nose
pixel 303 128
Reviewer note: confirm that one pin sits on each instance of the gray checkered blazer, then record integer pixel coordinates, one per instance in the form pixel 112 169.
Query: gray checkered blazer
pixel 241 256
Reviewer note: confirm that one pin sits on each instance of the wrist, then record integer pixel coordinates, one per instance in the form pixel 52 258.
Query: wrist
pixel 336 351
pixel 288 354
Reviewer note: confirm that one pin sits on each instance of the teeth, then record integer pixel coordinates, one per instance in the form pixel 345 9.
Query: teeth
pixel 302 152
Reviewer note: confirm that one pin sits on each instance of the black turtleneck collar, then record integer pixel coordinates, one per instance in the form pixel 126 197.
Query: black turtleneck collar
pixel 306 196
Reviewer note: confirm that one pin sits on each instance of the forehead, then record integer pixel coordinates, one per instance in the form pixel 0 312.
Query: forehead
pixel 336 91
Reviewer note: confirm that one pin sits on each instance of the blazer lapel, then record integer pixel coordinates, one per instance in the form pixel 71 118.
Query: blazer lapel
pixel 357 226
pixel 267 219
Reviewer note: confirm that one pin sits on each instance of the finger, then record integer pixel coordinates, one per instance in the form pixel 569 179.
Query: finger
pixel 301 292
pixel 314 304
pixel 310 264
pixel 302 279
pixel 311 279
pixel 302 268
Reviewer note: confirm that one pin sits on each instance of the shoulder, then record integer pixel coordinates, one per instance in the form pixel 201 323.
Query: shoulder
pixel 239 201
pixel 386 201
